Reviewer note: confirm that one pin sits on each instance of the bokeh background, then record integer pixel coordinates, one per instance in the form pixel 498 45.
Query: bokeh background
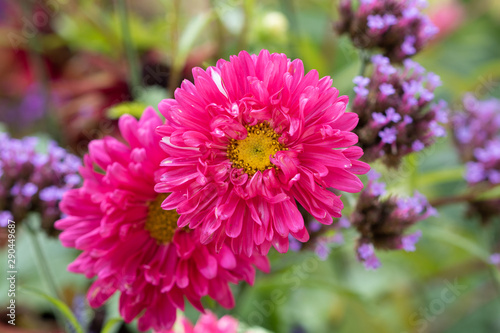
pixel 70 68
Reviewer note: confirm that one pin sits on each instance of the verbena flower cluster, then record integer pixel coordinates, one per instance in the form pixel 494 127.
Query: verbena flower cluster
pixel 31 181
pixel 476 130
pixel 382 222
pixel 25 111
pixel 397 27
pixel 397 115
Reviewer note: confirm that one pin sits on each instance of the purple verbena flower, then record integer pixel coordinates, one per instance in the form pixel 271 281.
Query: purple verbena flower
pixel 408 242
pixel 361 82
pixel 477 137
pixel 388 135
pixel 379 118
pixel 417 145
pixel 398 28
pixel 366 254
pixel 31 181
pixel 375 22
pixel 387 89
pixel 494 177
pixel 392 115
pixel 5 217
pixel 408 46
pixel 344 222
pixel 398 117
pixel 314 226
pixel 495 259
pixel 382 222
pixel 294 245
pixel 322 250
pixel 390 19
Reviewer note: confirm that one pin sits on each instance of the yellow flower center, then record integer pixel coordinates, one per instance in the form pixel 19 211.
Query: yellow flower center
pixel 253 153
pixel 161 223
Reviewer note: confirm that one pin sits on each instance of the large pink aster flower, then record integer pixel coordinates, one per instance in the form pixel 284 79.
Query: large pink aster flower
pixel 250 139
pixel 135 247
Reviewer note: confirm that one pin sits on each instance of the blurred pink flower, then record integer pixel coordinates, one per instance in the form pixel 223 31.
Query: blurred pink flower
pixel 247 141
pixel 208 323
pixel 88 86
pixel 448 16
pixel 132 245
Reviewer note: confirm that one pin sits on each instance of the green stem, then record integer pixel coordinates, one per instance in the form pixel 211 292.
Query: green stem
pixel 133 62
pixel 365 59
pixel 42 261
pixel 220 31
pixel 175 69
pixel 451 200
pixel 248 12
pixel 35 50
pixel 288 8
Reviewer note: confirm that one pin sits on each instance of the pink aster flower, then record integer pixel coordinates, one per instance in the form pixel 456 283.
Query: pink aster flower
pixel 208 323
pixel 132 245
pixel 248 141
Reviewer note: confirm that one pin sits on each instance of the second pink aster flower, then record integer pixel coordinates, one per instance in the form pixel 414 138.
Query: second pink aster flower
pixel 131 245
pixel 248 141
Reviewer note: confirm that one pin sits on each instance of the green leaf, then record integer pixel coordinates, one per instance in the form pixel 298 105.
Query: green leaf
pixel 110 326
pixel 342 78
pixel 133 108
pixel 311 55
pixel 152 95
pixel 191 33
pixel 447 236
pixel 63 308
pixel 441 176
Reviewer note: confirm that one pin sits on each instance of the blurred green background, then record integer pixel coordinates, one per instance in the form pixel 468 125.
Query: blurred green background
pixel 91 61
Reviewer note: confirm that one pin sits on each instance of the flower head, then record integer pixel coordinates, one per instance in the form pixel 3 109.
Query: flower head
pixel 131 244
pixel 382 222
pixel 366 254
pixel 250 139
pixel 396 116
pixel 495 259
pixel 397 27
pixel 476 131
pixel 32 181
